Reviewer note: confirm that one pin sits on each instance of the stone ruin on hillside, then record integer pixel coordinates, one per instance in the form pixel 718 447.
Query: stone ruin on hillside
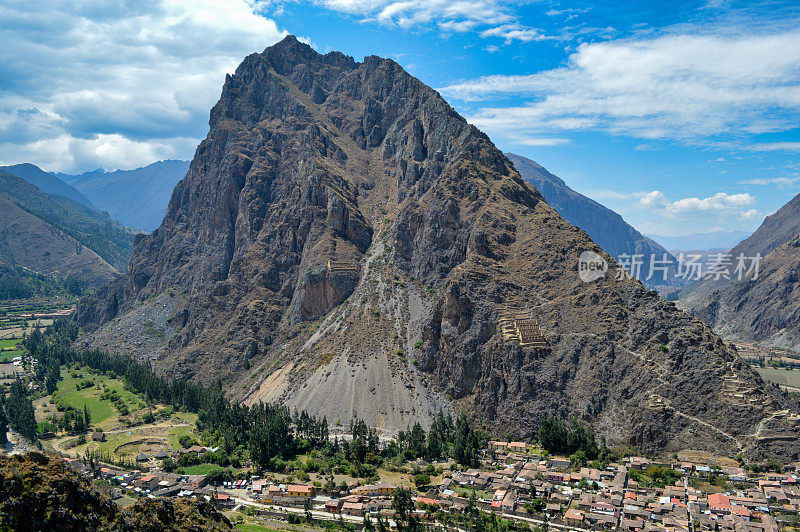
pixel 342 266
pixel 520 326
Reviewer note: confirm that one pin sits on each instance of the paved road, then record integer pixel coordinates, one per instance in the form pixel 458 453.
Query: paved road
pixel 326 516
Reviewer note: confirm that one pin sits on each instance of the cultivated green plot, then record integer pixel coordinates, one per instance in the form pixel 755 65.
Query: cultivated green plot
pixel 8 356
pixel 9 343
pixel 782 376
pixel 100 409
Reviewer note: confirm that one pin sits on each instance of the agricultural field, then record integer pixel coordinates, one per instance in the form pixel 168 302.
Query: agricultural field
pixel 122 415
pixel 9 349
pixel 782 376
pixel 22 317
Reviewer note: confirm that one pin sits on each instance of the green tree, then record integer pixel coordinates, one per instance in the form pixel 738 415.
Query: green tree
pixel 19 410
pixel 403 505
pixel 417 441
pixel 421 480
pixel 3 420
pixel 434 450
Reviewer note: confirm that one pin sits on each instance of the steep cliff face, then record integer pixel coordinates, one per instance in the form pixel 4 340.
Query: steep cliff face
pixel 346 243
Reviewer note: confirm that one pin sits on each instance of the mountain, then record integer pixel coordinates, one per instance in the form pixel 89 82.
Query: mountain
pixel 346 243
pixel 763 307
pixel 716 240
pixel 30 242
pixel 604 226
pixel 92 229
pixel 46 182
pixel 56 237
pixel 136 198
pixel 774 231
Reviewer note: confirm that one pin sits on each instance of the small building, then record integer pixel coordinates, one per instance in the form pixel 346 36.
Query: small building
pixel 573 517
pixel 299 490
pixel 353 508
pixel 98 436
pixel 161 455
pixel 141 457
pixel 223 500
pixel 196 481
pixel 147 482
pixel 376 490
pixel 333 506
pixel 719 503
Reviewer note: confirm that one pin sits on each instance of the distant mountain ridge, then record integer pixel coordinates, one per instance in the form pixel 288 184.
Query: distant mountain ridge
pixel 606 227
pixel 136 198
pixel 765 308
pixel 54 236
pixel 715 240
pixel 46 182
pixel 774 231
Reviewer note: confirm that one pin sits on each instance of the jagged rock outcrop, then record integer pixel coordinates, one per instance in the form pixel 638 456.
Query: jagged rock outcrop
pixel 346 243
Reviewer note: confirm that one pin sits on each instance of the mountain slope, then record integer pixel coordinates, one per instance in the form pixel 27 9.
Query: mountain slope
pixel 32 243
pixel 46 182
pixel 774 231
pixel 604 226
pixel 766 308
pixel 92 229
pixel 345 242
pixel 136 198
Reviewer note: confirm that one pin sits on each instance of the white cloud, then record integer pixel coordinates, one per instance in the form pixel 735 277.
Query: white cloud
pixel 686 86
pixel 607 194
pixel 775 146
pixel 117 84
pixel 492 18
pixel 721 202
pixel 511 32
pixel 780 181
pixel 107 151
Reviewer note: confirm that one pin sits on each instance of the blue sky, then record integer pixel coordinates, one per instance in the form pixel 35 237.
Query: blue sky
pixel 682 116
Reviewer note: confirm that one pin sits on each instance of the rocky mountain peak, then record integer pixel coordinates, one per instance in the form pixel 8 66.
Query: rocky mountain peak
pixel 346 243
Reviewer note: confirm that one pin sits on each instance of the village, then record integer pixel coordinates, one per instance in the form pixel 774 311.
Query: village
pixel 515 483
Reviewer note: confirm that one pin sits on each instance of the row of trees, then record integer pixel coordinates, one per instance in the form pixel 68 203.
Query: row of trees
pixel 445 439
pixel 17 412
pixel 567 437
pixel 271 433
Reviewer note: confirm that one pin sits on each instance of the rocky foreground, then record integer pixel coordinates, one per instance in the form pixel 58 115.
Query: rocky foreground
pixel 40 492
